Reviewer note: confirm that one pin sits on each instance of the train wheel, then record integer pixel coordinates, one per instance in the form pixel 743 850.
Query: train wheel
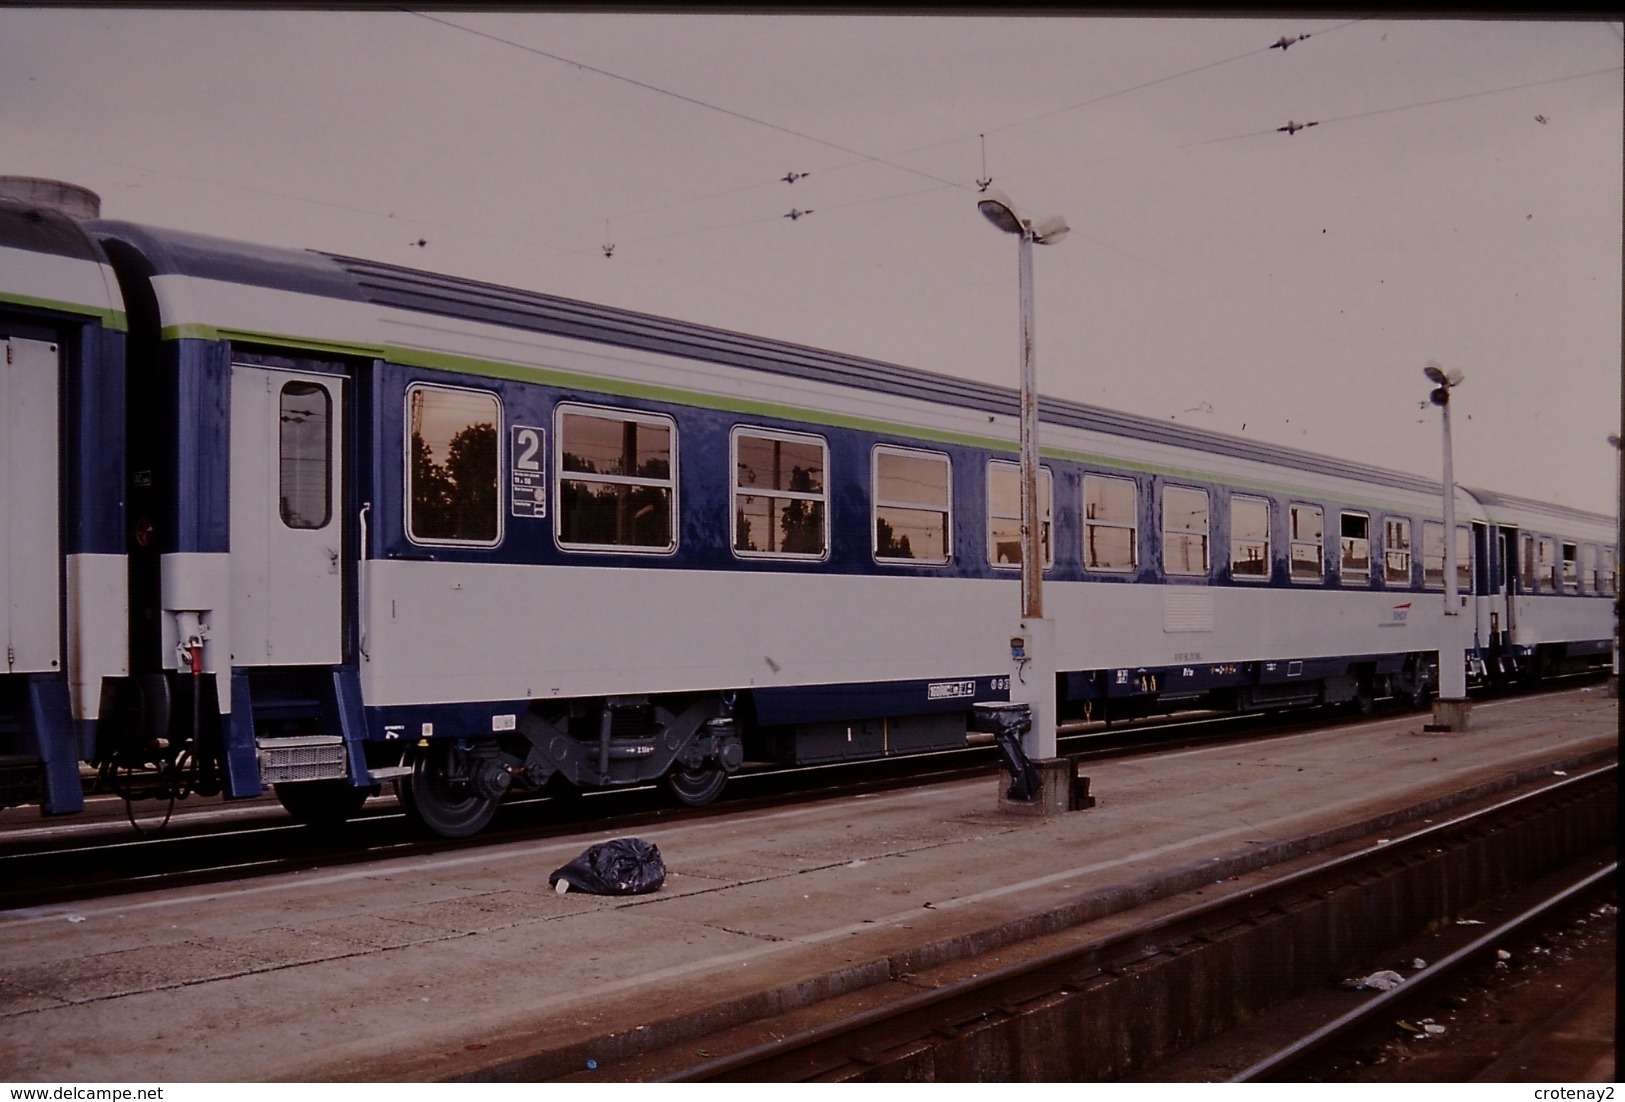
pixel 321 803
pixel 1364 701
pixel 695 787
pixel 442 801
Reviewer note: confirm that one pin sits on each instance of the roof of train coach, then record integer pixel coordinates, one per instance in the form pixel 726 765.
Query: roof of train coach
pixel 1526 512
pixel 30 229
pixel 174 252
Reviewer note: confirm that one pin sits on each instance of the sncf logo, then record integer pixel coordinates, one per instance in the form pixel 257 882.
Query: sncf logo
pixel 1400 612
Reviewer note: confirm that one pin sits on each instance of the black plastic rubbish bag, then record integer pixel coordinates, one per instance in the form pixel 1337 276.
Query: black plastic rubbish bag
pixel 624 866
pixel 1007 723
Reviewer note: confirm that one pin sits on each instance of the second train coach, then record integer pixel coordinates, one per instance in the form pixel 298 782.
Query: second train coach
pixel 362 523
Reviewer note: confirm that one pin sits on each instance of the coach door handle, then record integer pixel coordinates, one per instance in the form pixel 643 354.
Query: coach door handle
pixel 362 616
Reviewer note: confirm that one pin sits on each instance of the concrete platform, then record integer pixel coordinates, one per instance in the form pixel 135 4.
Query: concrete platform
pixel 430 967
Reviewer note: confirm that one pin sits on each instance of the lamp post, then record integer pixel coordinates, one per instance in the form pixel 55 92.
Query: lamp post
pixel 1033 650
pixel 1619 546
pixel 1451 708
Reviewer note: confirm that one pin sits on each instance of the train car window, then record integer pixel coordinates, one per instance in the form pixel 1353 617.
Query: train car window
pixel 1396 550
pixel 1184 531
pixel 1308 546
pixel 1004 514
pixel 1354 547
pixel 452 466
pixel 780 494
pixel 1249 537
pixel 1588 569
pixel 1571 568
pixel 1607 580
pixel 1526 563
pixel 1432 554
pixel 305 455
pixel 913 507
pixel 1546 564
pixel 1110 524
pixel 1433 557
pixel 617 473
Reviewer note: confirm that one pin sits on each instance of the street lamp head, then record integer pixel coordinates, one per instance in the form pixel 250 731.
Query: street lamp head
pixel 997 208
pixel 1436 374
pixel 1050 230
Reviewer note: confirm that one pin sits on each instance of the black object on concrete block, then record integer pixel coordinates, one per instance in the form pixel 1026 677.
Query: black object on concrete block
pixel 1007 723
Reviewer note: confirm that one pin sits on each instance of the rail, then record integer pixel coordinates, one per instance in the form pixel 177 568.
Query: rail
pixel 1431 978
pixel 820 1050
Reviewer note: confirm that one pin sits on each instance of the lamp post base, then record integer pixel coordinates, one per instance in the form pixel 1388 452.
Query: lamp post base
pixel 1061 788
pixel 1450 715
pixel 1032 682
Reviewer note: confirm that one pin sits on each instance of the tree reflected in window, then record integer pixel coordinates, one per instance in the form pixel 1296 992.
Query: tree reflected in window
pixel 912 512
pixel 452 476
pixel 616 487
pixel 779 493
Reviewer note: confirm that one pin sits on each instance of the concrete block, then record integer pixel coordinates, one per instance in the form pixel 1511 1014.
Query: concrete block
pixel 1449 715
pixel 1061 788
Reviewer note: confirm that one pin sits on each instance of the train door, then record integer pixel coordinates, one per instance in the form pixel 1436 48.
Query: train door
pixel 30 559
pixel 1509 583
pixel 1504 606
pixel 286 519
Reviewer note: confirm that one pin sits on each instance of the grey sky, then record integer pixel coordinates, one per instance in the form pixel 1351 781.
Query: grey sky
pixel 1281 287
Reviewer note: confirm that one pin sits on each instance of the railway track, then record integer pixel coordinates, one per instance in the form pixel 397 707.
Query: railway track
pixel 74 860
pixel 1105 1006
pixel 99 855
pixel 1303 1057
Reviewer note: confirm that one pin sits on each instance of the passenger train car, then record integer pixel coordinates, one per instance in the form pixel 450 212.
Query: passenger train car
pixel 62 529
pixel 321 523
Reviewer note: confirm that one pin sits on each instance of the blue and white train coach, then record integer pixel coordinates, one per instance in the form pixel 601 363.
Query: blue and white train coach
pixel 62 565
pixel 381 524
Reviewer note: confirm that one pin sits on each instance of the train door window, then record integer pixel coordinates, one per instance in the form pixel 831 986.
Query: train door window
pixel 1354 547
pixel 1526 563
pixel 1249 537
pixel 1571 568
pixel 913 506
pixel 1110 524
pixel 305 455
pixel 1308 546
pixel 1433 557
pixel 1607 582
pixel 453 464
pixel 1004 514
pixel 780 494
pixel 1545 564
pixel 1588 569
pixel 1396 550
pixel 617 480
pixel 1184 531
